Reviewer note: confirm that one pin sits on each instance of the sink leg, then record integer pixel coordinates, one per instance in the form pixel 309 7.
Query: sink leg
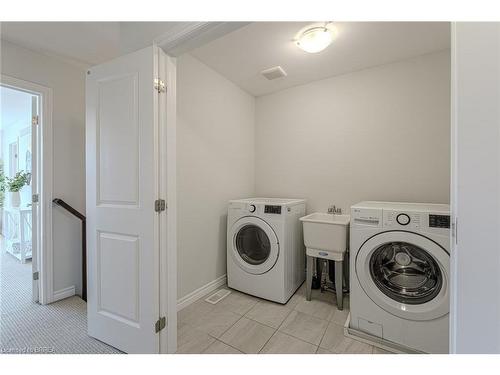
pixel 309 276
pixel 346 271
pixel 338 285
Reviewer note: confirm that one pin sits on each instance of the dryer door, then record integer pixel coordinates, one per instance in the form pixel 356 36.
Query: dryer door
pixel 255 247
pixel 405 274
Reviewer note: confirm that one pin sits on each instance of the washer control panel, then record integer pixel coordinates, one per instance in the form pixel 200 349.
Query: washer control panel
pixel 418 221
pixel 403 219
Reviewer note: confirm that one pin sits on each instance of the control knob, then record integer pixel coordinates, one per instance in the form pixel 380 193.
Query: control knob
pixel 403 219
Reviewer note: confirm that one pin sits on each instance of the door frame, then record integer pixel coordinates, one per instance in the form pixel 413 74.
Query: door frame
pixel 44 170
pixel 167 70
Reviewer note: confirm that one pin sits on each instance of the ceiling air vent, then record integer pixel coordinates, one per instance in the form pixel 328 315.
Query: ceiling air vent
pixel 274 72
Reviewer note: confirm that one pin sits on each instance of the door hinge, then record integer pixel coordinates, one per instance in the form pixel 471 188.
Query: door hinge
pixel 160 86
pixel 35 198
pixel 160 205
pixel 160 324
pixel 36 275
pixel 35 120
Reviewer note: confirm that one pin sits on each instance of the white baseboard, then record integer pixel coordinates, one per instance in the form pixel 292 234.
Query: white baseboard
pixel 63 293
pixel 200 292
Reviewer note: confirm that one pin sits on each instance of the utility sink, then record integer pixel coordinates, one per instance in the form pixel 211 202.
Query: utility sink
pixel 325 235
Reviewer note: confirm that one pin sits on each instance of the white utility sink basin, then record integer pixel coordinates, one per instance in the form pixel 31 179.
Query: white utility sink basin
pixel 325 235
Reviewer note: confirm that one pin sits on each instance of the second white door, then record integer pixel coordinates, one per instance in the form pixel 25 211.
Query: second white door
pixel 122 186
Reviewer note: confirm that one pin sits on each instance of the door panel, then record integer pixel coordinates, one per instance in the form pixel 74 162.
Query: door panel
pixel 122 185
pixel 118 140
pixel 116 251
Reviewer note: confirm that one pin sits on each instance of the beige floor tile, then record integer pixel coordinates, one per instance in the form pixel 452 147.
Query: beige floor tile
pixel 218 347
pixel 217 321
pixel 238 303
pixel 323 351
pixel 305 327
pixel 350 346
pixel 339 316
pixel 295 300
pixel 247 335
pixel 335 341
pixel 281 343
pixel 269 313
pixel 194 313
pixel 317 308
pixel 299 295
pixel 327 296
pixel 377 350
pixel 191 340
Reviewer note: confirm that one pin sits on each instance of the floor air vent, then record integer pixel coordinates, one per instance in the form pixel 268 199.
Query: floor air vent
pixel 218 296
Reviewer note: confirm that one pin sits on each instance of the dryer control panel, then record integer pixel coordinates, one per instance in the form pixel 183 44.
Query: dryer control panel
pixel 268 209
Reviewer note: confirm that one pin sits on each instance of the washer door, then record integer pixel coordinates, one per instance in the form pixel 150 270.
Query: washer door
pixel 255 247
pixel 406 274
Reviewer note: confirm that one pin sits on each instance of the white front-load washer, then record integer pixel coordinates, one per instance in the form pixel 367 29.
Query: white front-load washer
pixel 265 247
pixel 400 274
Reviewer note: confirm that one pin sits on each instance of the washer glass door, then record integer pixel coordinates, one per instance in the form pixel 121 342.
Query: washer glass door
pixel 406 274
pixel 255 246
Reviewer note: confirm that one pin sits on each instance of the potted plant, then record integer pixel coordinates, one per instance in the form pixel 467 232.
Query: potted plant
pixel 15 184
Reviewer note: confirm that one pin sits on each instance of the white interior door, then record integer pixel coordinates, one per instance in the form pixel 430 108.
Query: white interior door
pixel 122 186
pixel 475 188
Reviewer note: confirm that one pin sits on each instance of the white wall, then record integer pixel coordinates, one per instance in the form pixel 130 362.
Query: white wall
pixel 475 308
pixel 215 163
pixel 68 85
pixel 377 134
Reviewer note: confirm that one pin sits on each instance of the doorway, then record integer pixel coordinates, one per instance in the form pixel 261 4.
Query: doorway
pixel 25 115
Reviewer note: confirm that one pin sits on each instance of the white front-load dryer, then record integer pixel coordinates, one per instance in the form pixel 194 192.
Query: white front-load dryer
pixel 400 274
pixel 265 248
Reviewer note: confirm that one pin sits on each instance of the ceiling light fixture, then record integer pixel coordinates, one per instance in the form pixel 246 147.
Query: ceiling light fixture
pixel 315 38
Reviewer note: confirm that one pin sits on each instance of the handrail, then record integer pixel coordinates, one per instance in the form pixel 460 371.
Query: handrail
pixel 82 217
pixel 66 206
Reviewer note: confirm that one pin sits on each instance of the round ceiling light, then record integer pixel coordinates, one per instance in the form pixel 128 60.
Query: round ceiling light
pixel 315 38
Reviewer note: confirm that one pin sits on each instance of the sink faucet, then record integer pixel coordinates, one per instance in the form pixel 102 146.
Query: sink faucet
pixel 334 210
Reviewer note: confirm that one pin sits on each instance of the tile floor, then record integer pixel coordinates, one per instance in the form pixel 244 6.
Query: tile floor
pixel 244 324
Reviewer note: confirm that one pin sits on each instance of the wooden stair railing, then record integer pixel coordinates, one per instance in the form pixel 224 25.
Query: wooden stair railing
pixel 82 217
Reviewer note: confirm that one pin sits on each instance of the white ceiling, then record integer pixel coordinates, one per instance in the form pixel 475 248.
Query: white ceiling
pixel 85 43
pixel 243 54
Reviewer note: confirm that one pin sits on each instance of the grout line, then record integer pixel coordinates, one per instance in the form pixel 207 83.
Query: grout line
pixel 231 326
pixel 225 343
pixel 269 339
pixel 267 325
pixel 323 336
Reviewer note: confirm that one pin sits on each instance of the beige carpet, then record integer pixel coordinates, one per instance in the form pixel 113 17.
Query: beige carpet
pixel 27 327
